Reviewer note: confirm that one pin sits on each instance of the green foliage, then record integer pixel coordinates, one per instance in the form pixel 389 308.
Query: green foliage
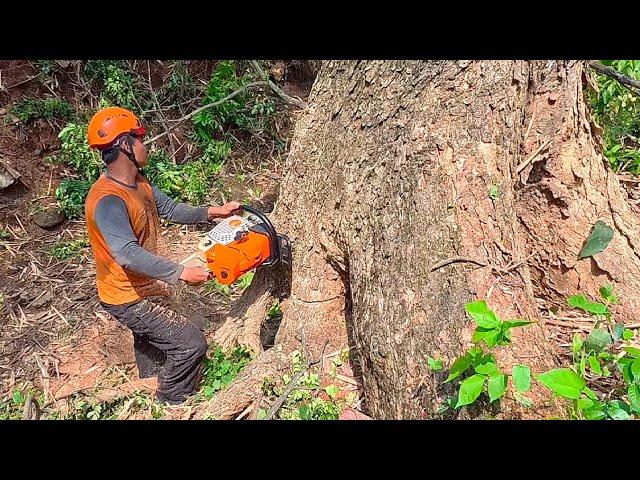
pixel 189 182
pixel 600 355
pixel 28 109
pixel 434 365
pixel 581 302
pixel 617 110
pixel 563 381
pixel 239 285
pixel 65 250
pixel 224 81
pixel 478 372
pixel 71 194
pixel 597 340
pixel 83 409
pixel 180 86
pixel 45 68
pixel 274 310
pixel 221 368
pixel 245 280
pixel 248 110
pixel 214 285
pixel 490 328
pixel 606 292
pixel 75 152
pixel 116 81
pixel 521 375
pixel 11 407
pixel 480 365
pixel 304 401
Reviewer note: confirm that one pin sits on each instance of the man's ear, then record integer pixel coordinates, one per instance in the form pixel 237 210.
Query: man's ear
pixel 126 146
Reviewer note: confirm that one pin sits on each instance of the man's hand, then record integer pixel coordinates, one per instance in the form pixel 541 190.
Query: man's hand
pixel 226 210
pixel 195 275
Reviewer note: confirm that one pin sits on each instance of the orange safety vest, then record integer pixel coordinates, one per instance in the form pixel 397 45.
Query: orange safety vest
pixel 117 285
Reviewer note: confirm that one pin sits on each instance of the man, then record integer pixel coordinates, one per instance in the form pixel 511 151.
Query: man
pixel 122 212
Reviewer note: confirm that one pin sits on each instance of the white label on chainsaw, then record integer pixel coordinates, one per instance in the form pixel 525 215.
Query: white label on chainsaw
pixel 225 232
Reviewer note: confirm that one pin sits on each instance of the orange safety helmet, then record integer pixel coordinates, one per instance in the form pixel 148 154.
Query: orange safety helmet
pixel 110 123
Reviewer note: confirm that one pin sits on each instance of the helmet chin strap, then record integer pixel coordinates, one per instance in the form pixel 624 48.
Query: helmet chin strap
pixel 130 155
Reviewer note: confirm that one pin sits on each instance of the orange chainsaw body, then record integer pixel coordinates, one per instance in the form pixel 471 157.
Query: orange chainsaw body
pixel 229 262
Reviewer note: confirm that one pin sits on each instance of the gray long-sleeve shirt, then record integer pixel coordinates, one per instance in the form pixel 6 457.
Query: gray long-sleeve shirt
pixel 112 219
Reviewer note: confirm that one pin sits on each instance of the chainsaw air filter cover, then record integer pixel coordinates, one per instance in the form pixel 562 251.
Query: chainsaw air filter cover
pixel 230 229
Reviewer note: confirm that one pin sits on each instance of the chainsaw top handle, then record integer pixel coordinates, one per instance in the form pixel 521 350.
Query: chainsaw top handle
pixel 271 231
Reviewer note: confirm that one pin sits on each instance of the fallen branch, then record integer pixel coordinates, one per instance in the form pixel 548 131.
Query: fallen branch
pixel 613 73
pixel 283 398
pixel 446 262
pixel 205 107
pixel 286 98
pixel 28 79
pixel 292 384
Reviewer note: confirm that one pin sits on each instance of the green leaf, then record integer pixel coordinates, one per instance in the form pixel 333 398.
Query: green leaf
pixel 507 324
pixel 523 399
pixel 606 292
pixel 470 390
pixel 632 351
pixel 581 302
pixel 262 414
pixel 589 393
pixel 493 338
pixel 208 391
pixel 497 386
pixel 594 414
pixel 494 193
pixel 434 365
pixel 618 331
pixel 582 365
pixel 635 368
pixel 594 364
pixel 332 391
pixel 521 377
pixel 563 382
pixel 481 333
pixel 624 364
pixel 17 397
pixel 633 394
pixel 585 403
pixel 487 368
pixel 482 315
pixel 627 334
pixel 576 343
pixel 598 339
pixel 618 410
pixel 605 356
pixel 600 236
pixel 458 368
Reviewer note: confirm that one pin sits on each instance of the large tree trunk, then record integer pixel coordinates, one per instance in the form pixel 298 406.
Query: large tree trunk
pixel 389 174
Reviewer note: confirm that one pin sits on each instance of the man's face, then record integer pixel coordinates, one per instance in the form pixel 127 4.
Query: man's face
pixel 142 154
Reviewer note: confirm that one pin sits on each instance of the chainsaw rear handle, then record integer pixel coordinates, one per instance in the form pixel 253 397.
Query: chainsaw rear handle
pixel 273 235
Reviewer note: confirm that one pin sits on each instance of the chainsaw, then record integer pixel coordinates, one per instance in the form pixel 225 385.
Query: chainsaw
pixel 239 244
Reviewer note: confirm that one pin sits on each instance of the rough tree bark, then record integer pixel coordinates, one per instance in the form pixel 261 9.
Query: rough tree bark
pixel 389 174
